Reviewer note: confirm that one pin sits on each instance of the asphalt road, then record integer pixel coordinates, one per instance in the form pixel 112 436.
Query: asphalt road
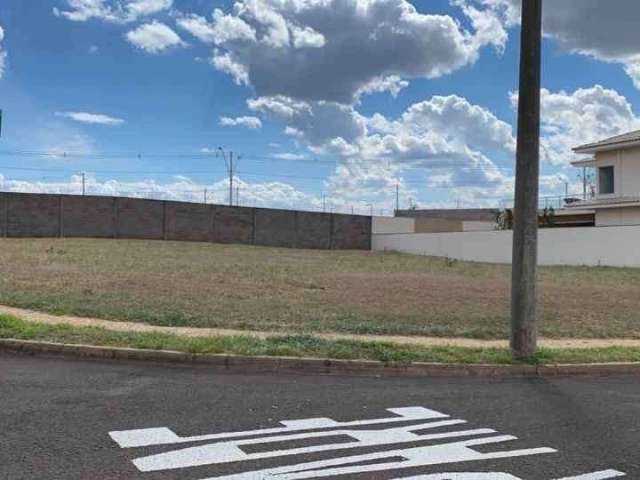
pixel 56 416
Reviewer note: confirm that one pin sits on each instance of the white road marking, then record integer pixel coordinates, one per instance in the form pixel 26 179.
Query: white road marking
pixel 163 436
pixel 231 452
pixel 605 475
pixel 227 447
pixel 456 452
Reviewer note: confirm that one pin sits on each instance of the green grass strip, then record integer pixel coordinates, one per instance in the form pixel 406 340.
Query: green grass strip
pixel 301 346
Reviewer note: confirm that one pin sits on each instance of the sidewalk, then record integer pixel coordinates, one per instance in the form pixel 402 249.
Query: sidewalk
pixel 33 316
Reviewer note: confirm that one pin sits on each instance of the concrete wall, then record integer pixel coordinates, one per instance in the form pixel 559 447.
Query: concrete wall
pixel 36 215
pixel 606 217
pixel 606 246
pixel 393 225
pixel 478 226
pixel 438 225
pixel 387 225
pixel 464 214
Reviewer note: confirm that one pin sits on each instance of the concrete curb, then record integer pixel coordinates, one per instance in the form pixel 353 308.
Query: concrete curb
pixel 314 366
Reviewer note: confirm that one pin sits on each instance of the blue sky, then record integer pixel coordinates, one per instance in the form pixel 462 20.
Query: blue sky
pixel 337 98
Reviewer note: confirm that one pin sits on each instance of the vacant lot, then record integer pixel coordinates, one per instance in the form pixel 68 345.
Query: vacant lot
pixel 258 288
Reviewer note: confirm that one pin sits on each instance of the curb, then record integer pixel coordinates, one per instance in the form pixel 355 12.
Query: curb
pixel 314 366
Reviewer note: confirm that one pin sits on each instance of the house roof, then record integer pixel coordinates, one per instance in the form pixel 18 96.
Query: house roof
pixel 626 140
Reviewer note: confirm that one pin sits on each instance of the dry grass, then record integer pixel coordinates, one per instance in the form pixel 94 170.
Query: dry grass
pixel 233 286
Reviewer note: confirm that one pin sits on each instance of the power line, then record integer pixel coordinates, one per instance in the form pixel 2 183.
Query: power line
pixel 252 158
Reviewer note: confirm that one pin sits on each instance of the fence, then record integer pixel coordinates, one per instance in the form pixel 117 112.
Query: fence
pixel 592 246
pixel 45 215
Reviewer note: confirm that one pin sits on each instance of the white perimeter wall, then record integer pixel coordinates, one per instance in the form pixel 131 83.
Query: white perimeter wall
pixel 478 226
pixel 606 246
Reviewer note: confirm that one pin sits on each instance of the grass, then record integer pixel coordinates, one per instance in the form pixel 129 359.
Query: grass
pixel 301 346
pixel 304 291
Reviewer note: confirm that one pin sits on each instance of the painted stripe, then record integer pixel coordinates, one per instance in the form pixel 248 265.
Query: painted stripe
pixel 164 436
pixel 604 475
pixel 463 476
pixel 231 452
pixel 457 452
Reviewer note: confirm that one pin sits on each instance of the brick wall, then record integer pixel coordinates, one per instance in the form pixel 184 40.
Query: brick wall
pixel 43 215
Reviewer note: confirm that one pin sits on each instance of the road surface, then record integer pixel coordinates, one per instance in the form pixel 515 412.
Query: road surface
pixel 89 420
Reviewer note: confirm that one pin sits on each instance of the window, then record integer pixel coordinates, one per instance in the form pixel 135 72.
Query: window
pixel 605 180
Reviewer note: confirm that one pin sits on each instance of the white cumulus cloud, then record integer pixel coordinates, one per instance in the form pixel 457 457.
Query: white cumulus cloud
pixel 91 118
pixel 260 194
pixel 606 31
pixel 3 54
pixel 451 140
pixel 114 11
pixel 249 122
pixel 570 119
pixel 154 37
pixel 337 50
pixel 289 156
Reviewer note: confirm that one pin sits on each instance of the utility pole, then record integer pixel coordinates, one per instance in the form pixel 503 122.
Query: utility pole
pixel 397 197
pixel 230 170
pixel 370 205
pixel 324 203
pixel 238 196
pixel 584 183
pixel 83 183
pixel 205 195
pixel 231 179
pixel 525 231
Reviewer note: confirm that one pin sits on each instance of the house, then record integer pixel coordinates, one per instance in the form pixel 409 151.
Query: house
pixel 616 160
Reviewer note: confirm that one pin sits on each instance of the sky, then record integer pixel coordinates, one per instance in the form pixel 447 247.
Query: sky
pixel 324 104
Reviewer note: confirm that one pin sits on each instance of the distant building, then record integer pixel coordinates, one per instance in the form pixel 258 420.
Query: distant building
pixel 616 160
pixel 458 220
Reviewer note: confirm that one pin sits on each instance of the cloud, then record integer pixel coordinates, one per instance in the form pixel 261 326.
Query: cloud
pixel 337 50
pixel 224 28
pixel 91 118
pixel 154 38
pixel 260 194
pixel 448 139
pixel 3 54
pixel 59 142
pixel 289 156
pixel 249 122
pixel 318 122
pixel 570 119
pixel 606 31
pixel 113 11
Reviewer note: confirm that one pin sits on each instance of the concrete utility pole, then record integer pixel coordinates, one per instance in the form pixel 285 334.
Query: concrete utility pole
pixel 525 231
pixel 84 182
pixel 231 179
pixel 397 197
pixel 230 170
